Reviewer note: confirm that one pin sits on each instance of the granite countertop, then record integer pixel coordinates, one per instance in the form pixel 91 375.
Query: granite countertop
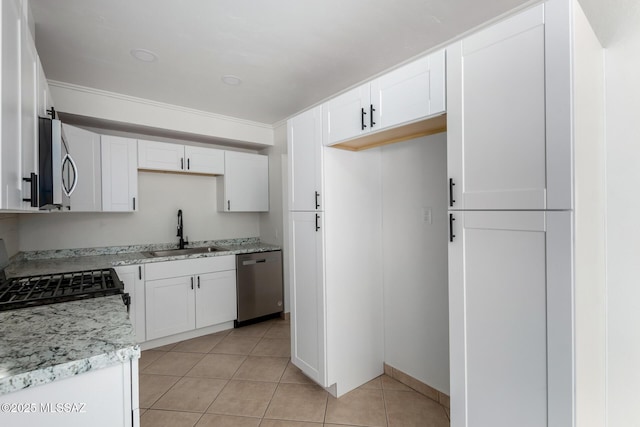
pixel 43 344
pixel 58 261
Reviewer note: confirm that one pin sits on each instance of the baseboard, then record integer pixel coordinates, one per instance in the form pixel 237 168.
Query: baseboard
pixel 285 316
pixel 417 385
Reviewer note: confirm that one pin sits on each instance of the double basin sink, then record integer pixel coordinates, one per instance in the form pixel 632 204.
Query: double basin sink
pixel 185 251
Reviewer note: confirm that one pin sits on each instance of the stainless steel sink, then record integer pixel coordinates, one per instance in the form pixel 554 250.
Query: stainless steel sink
pixel 185 251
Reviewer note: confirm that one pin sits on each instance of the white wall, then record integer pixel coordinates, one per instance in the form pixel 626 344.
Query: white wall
pixel 9 232
pixel 272 222
pixel 617 25
pixel 416 306
pixel 590 242
pixel 160 197
pixel 622 68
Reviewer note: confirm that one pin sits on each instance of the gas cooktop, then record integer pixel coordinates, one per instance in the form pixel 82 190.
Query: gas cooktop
pixel 30 291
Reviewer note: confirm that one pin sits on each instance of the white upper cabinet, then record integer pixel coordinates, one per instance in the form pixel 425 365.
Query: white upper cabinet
pixel 10 169
pixel 413 91
pixel 496 116
pixel 45 102
pixel 29 116
pixel 305 167
pixel 160 156
pixel 84 146
pixel 164 156
pixel 245 185
pixel 204 160
pixel 119 174
pixel 346 115
pixel 409 93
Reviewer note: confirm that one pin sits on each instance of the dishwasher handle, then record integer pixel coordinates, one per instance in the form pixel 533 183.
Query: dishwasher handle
pixel 254 261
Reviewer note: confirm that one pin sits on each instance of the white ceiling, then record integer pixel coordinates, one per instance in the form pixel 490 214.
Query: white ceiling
pixel 290 54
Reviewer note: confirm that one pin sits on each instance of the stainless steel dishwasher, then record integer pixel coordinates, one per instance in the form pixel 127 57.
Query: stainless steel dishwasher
pixel 259 285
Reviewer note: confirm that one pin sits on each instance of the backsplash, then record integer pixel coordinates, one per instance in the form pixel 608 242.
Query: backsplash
pixel 9 232
pixel 160 197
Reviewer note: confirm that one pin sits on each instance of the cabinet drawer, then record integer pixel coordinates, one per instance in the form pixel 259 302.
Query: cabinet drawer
pixel 188 267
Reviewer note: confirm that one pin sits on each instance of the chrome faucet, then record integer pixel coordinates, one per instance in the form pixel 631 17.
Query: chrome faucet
pixel 181 242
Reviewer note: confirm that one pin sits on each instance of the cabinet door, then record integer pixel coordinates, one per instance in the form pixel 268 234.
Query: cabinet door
pixel 11 174
pixel 347 116
pixel 84 146
pixel 402 95
pixel 496 116
pixel 498 318
pixel 437 83
pixel 215 298
pixel 29 116
pixel 204 160
pixel 161 156
pixel 304 138
pixel 246 182
pixel 119 174
pixel 170 306
pixel 132 276
pixel 306 263
pixel 45 102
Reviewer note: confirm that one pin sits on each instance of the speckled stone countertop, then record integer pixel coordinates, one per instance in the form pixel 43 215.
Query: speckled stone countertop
pixel 43 344
pixel 58 261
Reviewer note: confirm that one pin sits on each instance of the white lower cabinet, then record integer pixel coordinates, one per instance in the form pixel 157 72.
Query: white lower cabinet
pixel 170 306
pixel 188 294
pixel 101 398
pixel 132 276
pixel 308 305
pixel 215 298
pixel 506 317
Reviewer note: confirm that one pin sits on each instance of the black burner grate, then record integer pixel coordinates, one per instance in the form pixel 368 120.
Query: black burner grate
pixel 21 292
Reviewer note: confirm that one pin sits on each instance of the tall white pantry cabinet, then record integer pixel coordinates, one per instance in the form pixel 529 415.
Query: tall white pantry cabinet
pixel 335 254
pixel 513 152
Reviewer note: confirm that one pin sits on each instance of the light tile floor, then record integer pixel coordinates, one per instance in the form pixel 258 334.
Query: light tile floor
pixel 244 378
